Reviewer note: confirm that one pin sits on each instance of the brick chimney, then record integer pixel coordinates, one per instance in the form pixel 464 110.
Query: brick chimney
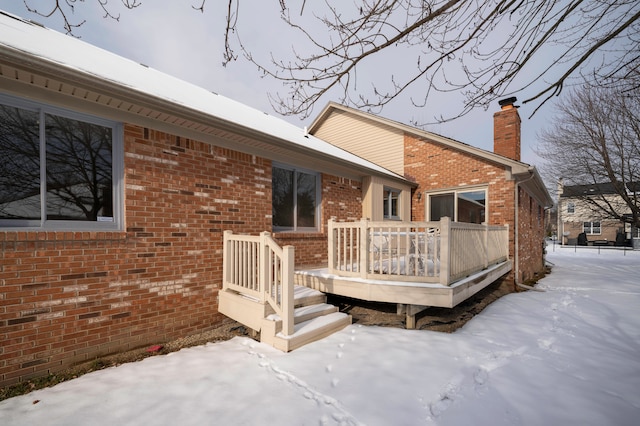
pixel 506 130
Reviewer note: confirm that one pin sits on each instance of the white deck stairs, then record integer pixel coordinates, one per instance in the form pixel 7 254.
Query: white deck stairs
pixel 314 319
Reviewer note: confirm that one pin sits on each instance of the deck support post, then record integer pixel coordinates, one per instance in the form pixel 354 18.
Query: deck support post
pixel 410 311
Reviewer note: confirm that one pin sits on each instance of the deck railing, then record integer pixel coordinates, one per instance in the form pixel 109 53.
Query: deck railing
pixel 437 252
pixel 257 267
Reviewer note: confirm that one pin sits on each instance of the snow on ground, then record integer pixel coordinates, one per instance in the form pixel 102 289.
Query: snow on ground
pixel 569 355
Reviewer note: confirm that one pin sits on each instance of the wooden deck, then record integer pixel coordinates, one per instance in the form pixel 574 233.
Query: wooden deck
pixel 415 265
pixel 404 292
pixel 411 297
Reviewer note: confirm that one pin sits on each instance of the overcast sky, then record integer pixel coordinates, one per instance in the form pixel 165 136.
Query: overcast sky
pixel 176 39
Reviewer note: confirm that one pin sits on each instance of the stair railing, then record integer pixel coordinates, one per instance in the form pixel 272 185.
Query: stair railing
pixel 257 267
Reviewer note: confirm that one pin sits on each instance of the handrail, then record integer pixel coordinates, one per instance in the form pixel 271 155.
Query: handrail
pixel 257 267
pixel 435 252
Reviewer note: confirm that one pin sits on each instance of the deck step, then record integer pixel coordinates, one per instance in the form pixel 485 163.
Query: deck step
pixel 305 313
pixel 311 331
pixel 313 320
pixel 305 296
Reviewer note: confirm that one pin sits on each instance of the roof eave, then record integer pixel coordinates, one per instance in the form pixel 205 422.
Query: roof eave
pixel 96 83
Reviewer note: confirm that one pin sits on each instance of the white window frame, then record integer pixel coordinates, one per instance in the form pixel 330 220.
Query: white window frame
pixel 318 195
pixel 571 207
pixel 591 228
pixel 387 206
pixel 455 192
pixel 116 223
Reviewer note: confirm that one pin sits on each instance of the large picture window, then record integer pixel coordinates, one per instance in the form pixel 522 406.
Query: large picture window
pixel 58 170
pixel 461 206
pixel 295 199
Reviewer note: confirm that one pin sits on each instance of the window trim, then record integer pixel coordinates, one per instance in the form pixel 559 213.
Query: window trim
pixel 387 203
pixel 571 207
pixel 455 192
pixel 592 227
pixel 318 194
pixel 117 171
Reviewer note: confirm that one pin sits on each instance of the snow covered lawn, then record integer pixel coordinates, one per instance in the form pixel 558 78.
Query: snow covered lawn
pixel 566 356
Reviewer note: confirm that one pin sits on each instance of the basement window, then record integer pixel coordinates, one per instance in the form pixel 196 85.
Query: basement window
pixel 61 170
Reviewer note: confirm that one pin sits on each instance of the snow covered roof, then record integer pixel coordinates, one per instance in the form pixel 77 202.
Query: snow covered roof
pixel 32 47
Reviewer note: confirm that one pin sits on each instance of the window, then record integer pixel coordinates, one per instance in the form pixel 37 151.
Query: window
pixel 295 199
pixel 59 170
pixel 571 207
pixel 460 206
pixel 390 204
pixel 591 228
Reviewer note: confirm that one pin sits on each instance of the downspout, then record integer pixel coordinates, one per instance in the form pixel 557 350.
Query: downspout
pixel 516 239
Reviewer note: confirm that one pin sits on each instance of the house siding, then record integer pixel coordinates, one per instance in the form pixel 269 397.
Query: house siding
pixel 376 142
pixel 69 297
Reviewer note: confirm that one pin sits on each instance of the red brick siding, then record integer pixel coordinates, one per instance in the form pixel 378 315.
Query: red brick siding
pixel 434 166
pixel 531 237
pixel 68 297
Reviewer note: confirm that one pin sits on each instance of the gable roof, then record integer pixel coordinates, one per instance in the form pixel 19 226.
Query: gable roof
pixel 63 70
pixel 517 167
pixel 523 172
pixel 606 188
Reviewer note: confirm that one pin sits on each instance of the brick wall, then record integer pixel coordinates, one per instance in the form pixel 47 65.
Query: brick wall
pixel 68 297
pixel 435 166
pixel 531 237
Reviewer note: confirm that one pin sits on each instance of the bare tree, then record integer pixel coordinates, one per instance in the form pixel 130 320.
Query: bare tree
pixel 483 49
pixel 595 141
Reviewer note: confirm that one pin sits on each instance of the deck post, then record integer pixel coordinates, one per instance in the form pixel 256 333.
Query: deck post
pixel 264 266
pixel 227 256
pixel 485 248
pixel 445 250
pixel 288 256
pixel 331 245
pixel 364 247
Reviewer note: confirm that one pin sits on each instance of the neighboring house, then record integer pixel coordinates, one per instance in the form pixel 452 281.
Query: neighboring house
pixel 577 214
pixel 116 186
pixel 453 179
